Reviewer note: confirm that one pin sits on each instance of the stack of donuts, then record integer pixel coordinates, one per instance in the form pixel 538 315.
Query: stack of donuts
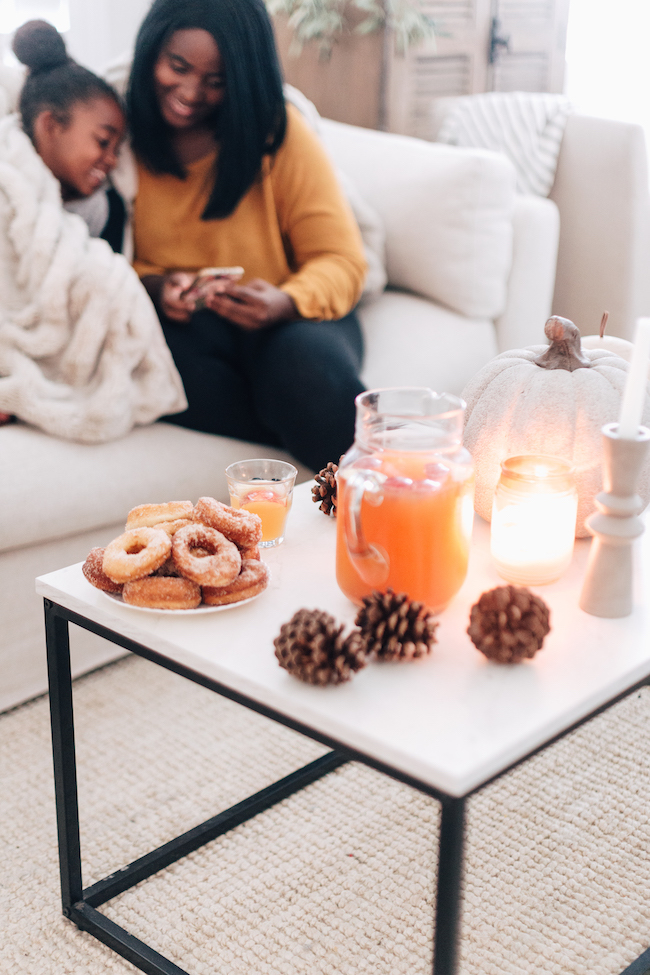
pixel 178 555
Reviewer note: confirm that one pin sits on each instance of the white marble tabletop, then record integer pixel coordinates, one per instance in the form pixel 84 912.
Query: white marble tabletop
pixel 452 720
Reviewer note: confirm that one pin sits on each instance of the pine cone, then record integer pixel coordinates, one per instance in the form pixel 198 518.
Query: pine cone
pixel 509 623
pixel 394 628
pixel 311 646
pixel 324 491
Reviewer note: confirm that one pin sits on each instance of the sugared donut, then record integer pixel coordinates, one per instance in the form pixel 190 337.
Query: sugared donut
pixel 162 592
pixel 218 568
pixel 244 528
pixel 136 553
pixel 93 569
pixel 168 568
pixel 171 527
pixel 150 515
pixel 252 552
pixel 253 578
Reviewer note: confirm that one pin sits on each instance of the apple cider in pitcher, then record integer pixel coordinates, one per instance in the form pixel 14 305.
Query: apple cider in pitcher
pixel 405 498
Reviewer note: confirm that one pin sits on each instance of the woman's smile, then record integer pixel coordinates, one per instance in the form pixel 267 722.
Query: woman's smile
pixel 174 108
pixel 180 107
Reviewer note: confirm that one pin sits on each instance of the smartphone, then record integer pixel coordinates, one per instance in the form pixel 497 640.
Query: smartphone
pixel 207 274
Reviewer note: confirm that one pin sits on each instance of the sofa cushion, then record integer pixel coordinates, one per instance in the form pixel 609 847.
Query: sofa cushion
pixel 437 347
pixel 447 213
pixel 53 488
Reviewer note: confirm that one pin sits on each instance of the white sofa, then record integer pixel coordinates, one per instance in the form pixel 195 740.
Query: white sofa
pixel 58 499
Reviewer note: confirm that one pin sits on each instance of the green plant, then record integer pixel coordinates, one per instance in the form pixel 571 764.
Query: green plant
pixel 323 21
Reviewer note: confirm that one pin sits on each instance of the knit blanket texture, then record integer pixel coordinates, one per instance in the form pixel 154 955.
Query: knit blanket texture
pixel 82 354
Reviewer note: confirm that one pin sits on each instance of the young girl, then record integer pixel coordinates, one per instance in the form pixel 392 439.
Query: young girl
pixel 229 175
pixel 81 351
pixel 76 123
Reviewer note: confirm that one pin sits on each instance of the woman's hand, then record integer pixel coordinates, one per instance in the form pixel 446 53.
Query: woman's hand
pixel 251 306
pixel 170 301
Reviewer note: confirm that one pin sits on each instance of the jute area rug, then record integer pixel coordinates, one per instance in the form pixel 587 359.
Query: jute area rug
pixel 337 879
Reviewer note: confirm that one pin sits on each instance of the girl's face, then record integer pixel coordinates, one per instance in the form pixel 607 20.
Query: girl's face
pixel 189 79
pixel 82 153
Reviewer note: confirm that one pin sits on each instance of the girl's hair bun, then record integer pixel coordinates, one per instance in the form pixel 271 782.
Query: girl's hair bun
pixel 40 46
pixel 55 82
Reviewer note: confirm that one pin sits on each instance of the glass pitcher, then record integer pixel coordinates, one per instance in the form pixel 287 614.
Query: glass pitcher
pixel 405 498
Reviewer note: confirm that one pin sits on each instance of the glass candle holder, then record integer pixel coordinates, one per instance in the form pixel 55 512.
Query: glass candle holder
pixel 533 519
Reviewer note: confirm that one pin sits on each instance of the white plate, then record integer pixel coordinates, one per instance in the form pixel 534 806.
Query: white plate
pixel 115 597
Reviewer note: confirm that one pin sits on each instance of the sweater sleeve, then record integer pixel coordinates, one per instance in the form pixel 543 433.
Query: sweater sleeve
pixel 320 233
pixel 142 269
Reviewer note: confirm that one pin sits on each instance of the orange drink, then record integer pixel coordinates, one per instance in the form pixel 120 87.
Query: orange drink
pixel 272 509
pixel 405 498
pixel 264 487
pixel 417 533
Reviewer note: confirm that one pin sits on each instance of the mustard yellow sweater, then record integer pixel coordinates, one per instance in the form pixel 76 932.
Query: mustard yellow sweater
pixel 293 228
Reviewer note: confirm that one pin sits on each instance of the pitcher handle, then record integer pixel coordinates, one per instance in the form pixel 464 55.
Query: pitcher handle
pixel 370 561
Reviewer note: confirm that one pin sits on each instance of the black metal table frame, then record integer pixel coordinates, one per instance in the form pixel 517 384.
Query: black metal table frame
pixel 80 905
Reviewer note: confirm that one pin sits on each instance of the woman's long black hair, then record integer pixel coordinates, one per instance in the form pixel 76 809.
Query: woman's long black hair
pixel 251 121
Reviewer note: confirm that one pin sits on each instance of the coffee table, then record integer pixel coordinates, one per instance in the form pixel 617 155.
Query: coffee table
pixel 447 725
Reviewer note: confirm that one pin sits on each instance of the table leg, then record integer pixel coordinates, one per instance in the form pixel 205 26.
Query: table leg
pixel 448 898
pixel 641 966
pixel 63 750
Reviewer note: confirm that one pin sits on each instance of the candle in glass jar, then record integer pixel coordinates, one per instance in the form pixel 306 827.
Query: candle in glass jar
pixel 533 519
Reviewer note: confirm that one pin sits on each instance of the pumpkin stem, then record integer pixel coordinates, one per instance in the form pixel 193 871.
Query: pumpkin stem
pixel 564 352
pixel 603 323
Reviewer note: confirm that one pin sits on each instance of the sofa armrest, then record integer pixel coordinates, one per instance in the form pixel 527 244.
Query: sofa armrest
pixel 536 226
pixel 601 189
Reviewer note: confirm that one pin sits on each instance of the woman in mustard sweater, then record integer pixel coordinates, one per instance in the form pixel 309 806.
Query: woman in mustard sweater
pixel 229 175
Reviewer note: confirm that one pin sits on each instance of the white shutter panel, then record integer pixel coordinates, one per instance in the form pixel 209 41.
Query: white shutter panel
pixel 455 64
pixel 534 60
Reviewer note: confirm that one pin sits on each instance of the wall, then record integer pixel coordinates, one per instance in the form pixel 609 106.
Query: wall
pixel 608 69
pixel 101 30
pixel 344 86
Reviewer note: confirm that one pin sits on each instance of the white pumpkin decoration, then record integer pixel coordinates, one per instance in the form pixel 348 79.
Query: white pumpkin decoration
pixel 610 343
pixel 547 400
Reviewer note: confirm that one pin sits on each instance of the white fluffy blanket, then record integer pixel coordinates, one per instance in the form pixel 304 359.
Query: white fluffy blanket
pixel 82 354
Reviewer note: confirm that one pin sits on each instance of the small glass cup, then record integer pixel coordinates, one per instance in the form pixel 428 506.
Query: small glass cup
pixel 264 487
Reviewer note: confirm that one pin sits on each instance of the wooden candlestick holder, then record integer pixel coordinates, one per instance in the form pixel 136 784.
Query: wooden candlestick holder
pixel 607 587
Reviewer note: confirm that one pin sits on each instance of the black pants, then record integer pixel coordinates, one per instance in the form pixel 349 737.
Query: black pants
pixel 291 385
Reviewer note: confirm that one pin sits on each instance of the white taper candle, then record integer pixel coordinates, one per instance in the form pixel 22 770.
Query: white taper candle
pixel 635 387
